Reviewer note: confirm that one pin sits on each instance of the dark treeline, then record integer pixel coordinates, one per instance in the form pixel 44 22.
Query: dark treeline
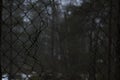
pixel 60 40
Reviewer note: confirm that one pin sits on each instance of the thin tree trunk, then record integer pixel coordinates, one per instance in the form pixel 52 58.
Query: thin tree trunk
pixel 110 41
pixel 93 50
pixel 53 35
pixel 11 42
pixel 92 66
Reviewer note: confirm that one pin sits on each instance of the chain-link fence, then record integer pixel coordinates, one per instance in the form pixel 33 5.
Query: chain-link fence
pixel 39 40
pixel 22 23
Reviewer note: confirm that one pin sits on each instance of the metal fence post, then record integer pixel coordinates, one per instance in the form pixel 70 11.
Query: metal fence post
pixel 0 38
pixel 117 72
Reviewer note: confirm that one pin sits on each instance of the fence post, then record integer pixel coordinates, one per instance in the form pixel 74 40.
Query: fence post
pixel 117 72
pixel 0 38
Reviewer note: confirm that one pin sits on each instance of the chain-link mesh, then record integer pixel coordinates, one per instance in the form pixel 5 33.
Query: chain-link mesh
pixel 32 45
pixel 102 46
pixel 22 24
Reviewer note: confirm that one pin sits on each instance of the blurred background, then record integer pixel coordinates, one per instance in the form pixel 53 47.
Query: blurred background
pixel 59 40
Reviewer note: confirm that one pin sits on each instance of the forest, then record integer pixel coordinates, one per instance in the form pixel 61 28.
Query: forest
pixel 59 40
